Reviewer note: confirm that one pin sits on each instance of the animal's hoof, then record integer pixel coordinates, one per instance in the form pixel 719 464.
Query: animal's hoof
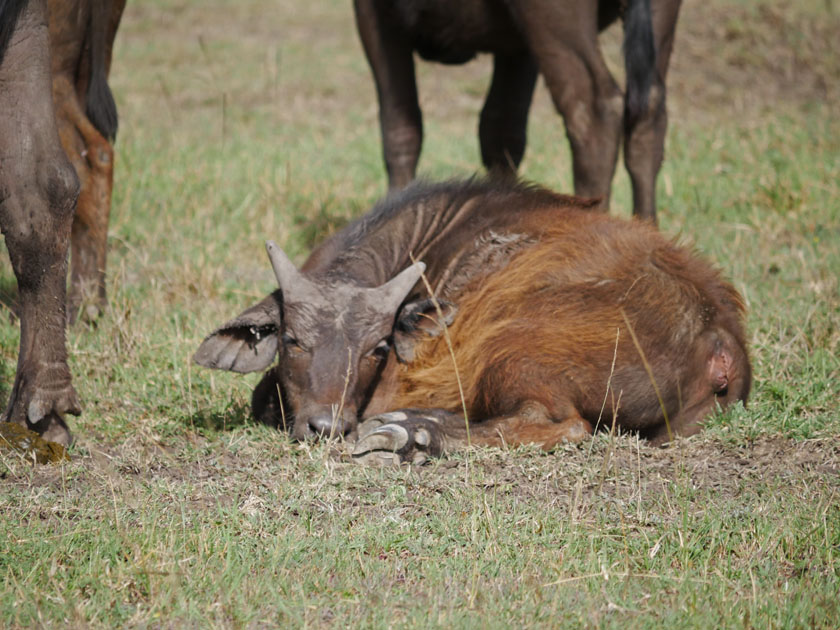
pixel 46 411
pixel 42 401
pixel 53 428
pixel 399 436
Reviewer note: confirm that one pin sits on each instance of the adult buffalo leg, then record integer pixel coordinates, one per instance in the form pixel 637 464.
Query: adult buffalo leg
pixel 504 118
pixel 392 62
pixel 563 38
pixel 93 158
pixel 644 136
pixel 416 434
pixel 82 34
pixel 38 190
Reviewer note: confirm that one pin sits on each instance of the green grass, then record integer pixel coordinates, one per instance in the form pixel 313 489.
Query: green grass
pixel 242 121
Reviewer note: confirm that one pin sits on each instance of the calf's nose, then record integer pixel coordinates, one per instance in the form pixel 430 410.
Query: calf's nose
pixel 322 424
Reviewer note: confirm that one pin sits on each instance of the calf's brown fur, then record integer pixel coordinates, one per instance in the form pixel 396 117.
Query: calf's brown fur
pixel 535 343
pixel 560 318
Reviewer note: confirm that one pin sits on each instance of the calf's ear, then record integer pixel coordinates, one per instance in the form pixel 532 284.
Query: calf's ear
pixel 247 343
pixel 418 319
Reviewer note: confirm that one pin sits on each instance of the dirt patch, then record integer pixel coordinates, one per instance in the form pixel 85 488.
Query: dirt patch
pixel 621 472
pixel 754 56
pixel 729 59
pixel 626 469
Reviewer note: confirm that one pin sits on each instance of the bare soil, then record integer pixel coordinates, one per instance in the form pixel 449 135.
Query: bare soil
pixel 611 472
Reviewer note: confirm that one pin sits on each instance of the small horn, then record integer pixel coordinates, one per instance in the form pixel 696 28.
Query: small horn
pixel 396 289
pixel 284 269
pixel 296 287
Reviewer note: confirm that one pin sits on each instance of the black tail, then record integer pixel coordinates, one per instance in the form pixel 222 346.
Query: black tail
pixel 9 13
pixel 100 105
pixel 639 57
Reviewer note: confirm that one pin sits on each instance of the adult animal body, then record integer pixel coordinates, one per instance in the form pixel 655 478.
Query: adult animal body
pixel 557 39
pixel 38 191
pixel 559 317
pixel 82 36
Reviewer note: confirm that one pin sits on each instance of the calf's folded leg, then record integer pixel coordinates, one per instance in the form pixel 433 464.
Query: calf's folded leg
pixel 413 435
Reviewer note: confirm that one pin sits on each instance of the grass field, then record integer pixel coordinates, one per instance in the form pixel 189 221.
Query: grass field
pixel 244 120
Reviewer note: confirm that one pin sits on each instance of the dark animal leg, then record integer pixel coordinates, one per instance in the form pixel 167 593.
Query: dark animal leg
pixel 93 157
pixel 564 41
pixel 392 62
pixel 38 190
pixel 644 136
pixel 502 127
pixel 415 434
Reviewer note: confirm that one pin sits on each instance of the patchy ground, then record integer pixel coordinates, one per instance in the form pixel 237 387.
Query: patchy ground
pixel 620 469
pixel 753 57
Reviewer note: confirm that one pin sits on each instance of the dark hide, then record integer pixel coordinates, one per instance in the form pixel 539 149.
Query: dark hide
pixel 81 38
pixel 38 191
pixel 541 295
pixel 558 40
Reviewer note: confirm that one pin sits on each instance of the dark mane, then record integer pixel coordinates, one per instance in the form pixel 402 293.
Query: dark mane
pixel 9 13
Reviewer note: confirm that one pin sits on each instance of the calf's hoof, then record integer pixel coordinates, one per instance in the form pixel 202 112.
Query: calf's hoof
pixel 399 436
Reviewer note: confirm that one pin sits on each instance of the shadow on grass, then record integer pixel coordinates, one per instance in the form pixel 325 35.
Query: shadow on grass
pixel 236 415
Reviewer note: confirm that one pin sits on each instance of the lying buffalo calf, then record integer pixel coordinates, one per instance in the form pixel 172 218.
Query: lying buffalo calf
pixel 558 317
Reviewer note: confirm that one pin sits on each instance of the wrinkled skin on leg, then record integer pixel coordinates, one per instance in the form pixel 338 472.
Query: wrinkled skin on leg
pixel 597 113
pixel 38 190
pixel 581 86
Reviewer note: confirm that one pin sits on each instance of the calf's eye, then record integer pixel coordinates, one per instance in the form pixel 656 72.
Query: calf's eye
pixel 381 350
pixel 291 343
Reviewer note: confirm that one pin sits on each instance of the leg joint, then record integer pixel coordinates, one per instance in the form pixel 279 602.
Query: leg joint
pixel 59 186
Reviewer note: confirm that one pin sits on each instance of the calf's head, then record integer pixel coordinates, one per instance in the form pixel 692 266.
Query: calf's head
pixel 331 339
